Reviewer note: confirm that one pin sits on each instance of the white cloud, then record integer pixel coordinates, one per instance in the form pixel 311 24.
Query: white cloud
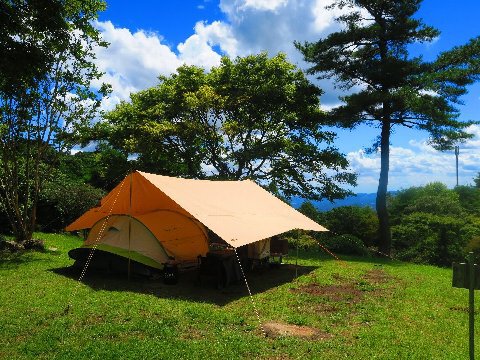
pixel 134 60
pixel 264 5
pixel 418 165
pixel 198 49
pixel 323 18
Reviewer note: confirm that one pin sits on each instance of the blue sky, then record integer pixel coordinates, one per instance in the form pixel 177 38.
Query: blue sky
pixel 153 37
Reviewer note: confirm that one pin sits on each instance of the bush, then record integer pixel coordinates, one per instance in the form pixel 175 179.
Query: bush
pixel 345 244
pixel 301 240
pixel 430 239
pixel 360 222
pixel 62 200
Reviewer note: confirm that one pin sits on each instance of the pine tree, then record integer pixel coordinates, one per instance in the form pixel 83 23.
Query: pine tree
pixel 371 53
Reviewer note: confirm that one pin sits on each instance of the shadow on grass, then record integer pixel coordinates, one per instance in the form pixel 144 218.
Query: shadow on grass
pixel 11 261
pixel 188 288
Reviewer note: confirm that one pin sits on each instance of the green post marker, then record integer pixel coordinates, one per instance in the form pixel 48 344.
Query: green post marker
pixel 467 276
pixel 471 294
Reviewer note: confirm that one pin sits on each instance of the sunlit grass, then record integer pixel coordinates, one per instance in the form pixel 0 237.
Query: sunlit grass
pixel 411 313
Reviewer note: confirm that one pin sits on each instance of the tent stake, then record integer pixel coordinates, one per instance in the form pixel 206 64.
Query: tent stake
pixel 296 257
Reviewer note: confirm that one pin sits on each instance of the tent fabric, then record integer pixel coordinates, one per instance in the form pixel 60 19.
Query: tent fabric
pixel 156 241
pixel 120 231
pixel 239 212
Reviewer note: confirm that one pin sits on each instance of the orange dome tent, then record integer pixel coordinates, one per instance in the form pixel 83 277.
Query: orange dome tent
pixel 148 217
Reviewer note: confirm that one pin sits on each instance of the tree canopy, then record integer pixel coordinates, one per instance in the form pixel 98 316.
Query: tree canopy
pixel 252 117
pixel 388 87
pixel 45 98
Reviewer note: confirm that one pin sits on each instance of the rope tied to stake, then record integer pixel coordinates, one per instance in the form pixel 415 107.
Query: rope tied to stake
pixel 92 251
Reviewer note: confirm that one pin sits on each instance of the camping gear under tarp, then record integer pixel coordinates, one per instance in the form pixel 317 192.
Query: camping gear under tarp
pixel 154 217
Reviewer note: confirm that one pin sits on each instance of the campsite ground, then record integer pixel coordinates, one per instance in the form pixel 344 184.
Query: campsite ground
pixel 353 309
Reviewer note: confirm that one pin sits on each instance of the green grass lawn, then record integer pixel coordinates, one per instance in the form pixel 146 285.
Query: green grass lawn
pixel 352 309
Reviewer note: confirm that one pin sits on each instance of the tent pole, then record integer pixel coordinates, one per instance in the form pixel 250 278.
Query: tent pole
pixel 130 226
pixel 296 257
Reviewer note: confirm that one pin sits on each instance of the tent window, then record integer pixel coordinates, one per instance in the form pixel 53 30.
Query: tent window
pixel 113 229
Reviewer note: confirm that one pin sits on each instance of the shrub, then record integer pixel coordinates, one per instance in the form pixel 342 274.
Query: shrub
pixel 62 200
pixel 302 240
pixel 428 238
pixel 345 244
pixel 360 222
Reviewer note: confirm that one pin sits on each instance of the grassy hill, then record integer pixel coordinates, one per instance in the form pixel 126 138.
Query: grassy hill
pixel 352 309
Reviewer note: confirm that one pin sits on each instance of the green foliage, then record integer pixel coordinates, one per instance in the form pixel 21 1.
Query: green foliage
pixel 434 224
pixel 360 222
pixel 103 168
pixel 63 200
pixel 434 198
pixel 310 211
pixel 346 244
pixel 351 228
pixel 253 117
pixel 29 30
pixel 302 240
pixel 469 197
pixel 370 56
pixel 43 107
pixel 429 238
pixel 474 246
pixel 476 180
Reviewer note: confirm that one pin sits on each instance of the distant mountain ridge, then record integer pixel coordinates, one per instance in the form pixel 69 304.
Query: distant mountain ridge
pixel 360 199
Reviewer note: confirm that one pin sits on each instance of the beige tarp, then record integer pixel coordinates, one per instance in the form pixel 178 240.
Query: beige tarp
pixel 240 212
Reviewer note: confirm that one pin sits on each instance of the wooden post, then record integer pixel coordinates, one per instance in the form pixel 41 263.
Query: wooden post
pixel 471 301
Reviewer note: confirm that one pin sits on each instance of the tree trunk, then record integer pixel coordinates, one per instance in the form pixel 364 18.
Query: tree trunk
pixel 385 236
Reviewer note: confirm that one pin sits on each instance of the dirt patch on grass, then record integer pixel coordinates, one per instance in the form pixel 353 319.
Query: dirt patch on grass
pixel 324 308
pixel 193 334
pixel 346 292
pixel 275 329
pixel 377 277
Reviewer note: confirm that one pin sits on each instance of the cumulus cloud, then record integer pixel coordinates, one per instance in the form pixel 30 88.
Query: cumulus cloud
pixel 198 49
pixel 134 60
pixel 269 5
pixel 418 165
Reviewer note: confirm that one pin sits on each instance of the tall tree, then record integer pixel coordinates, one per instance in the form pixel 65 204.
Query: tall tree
pixel 389 88
pixel 253 117
pixel 29 29
pixel 41 107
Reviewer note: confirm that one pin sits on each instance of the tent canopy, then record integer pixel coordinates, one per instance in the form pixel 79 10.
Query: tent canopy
pixel 239 212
